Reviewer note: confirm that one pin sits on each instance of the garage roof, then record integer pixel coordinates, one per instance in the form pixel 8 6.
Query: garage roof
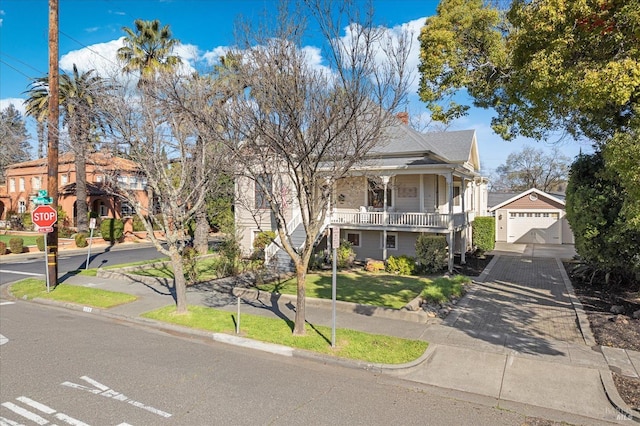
pixel 525 193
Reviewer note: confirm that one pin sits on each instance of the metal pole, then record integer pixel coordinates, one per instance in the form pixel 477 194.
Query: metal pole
pixel 238 322
pixel 89 252
pixel 333 296
pixel 46 261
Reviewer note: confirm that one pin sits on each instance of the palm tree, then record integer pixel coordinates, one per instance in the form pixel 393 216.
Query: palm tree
pixel 147 49
pixel 79 95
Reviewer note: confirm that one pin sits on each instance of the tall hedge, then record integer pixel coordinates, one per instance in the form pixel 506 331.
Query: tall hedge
pixel 484 233
pixel 595 200
pixel 112 229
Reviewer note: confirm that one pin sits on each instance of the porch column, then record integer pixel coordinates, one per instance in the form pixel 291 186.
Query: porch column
pixel 385 181
pixel 449 179
pixel 465 225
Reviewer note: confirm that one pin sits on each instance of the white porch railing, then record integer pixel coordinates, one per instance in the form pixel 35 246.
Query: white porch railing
pixel 398 219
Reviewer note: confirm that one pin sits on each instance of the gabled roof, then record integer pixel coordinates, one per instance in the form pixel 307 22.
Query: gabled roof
pixel 525 193
pixel 455 147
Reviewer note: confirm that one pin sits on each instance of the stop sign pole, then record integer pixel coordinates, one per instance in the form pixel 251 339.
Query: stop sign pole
pixel 44 217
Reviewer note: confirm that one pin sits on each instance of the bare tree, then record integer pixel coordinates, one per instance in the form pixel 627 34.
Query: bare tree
pixel 533 168
pixel 176 156
pixel 299 126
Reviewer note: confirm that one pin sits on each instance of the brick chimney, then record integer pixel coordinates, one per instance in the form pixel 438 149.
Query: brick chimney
pixel 404 117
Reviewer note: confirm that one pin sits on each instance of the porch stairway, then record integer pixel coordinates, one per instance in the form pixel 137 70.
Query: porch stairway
pixel 277 258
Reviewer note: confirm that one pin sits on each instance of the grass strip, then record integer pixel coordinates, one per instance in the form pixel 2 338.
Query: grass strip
pixel 350 344
pixel 32 288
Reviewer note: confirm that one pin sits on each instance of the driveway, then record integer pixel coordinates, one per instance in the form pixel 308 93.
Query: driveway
pixel 562 251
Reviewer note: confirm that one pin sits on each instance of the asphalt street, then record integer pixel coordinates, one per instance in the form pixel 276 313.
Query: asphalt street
pixel 60 366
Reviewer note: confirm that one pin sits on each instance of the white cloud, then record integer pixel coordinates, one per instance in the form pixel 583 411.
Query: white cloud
pixel 102 57
pixel 17 103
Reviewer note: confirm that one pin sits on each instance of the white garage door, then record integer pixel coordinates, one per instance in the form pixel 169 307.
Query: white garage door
pixel 534 227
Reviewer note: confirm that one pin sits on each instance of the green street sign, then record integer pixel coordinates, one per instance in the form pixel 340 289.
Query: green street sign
pixel 42 198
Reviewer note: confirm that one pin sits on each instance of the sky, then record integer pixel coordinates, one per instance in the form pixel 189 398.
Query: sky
pixel 91 32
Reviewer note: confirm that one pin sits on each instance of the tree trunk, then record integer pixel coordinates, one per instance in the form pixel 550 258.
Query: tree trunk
pixel 201 236
pixel 179 282
pixel 82 222
pixel 301 275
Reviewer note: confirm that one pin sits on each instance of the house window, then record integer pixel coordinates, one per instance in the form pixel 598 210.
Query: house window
pixel 263 185
pixel 126 209
pixel 102 209
pixel 392 240
pixel 376 194
pixel 21 188
pixel 22 206
pixel 12 185
pixel 36 183
pixel 99 178
pixel 64 179
pixel 456 196
pixel 354 238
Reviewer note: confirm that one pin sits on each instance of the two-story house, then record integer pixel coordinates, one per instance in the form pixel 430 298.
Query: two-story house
pixel 23 180
pixel 412 183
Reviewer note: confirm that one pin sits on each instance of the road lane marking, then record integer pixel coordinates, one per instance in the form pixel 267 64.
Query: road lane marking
pixel 25 413
pixel 6 422
pixel 7 303
pixel 105 391
pixel 31 274
pixel 35 417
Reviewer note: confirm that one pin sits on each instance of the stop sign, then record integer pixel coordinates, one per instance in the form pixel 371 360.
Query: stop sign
pixel 44 216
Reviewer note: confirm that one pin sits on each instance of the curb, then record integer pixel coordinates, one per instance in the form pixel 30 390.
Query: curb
pixel 583 321
pixel 240 341
pixel 610 390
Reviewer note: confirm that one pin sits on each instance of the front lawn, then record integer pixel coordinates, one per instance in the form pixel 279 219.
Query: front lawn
pixel 28 240
pixel 349 343
pixel 378 289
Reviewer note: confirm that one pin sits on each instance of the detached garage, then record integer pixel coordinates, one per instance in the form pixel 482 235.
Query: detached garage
pixel 532 217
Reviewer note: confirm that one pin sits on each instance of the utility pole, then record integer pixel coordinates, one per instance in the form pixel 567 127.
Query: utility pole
pixel 52 138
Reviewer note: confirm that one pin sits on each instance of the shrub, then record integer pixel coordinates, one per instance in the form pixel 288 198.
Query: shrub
pixel 346 255
pixel 3 248
pixel 484 233
pixel 26 221
pixel 16 245
pixel 81 240
pixel 40 242
pixel 262 240
pixel 318 260
pixel 157 222
pixel 402 265
pixel 112 229
pixel 230 264
pixel 374 265
pixel 138 225
pixel 64 232
pixel 190 265
pixel 431 253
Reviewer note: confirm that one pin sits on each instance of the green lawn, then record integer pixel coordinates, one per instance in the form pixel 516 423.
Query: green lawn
pixel 28 240
pixel 206 269
pixel 378 289
pixel 31 288
pixel 349 343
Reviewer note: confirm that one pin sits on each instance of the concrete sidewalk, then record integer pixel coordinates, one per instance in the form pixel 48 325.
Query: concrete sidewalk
pixel 519 339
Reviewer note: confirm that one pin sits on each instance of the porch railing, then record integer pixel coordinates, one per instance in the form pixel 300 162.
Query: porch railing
pixel 398 219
